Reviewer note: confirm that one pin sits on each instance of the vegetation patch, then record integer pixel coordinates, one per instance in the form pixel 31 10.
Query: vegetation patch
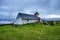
pixel 34 31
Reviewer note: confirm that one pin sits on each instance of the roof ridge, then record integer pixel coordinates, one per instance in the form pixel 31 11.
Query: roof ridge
pixel 24 14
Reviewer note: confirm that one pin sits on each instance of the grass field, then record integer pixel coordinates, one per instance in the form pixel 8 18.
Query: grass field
pixel 30 32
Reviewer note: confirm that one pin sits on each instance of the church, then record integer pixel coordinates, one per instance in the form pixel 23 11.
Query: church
pixel 23 18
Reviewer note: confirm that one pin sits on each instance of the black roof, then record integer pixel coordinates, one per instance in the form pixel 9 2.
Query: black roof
pixel 36 13
pixel 27 16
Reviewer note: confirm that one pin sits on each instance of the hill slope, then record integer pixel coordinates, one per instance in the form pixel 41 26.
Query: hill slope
pixel 30 32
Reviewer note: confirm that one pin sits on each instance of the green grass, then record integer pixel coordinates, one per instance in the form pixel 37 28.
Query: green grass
pixel 30 32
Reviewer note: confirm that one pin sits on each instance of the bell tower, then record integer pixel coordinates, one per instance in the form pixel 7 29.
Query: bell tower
pixel 37 14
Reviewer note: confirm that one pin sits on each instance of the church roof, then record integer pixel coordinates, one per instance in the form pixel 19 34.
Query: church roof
pixel 26 16
pixel 36 13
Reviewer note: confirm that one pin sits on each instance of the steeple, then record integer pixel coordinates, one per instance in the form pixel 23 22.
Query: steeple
pixel 37 14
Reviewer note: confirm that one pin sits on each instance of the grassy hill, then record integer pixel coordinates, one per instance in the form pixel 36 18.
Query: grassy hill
pixel 30 32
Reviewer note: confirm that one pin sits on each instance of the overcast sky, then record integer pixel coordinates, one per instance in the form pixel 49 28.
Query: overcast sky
pixel 10 8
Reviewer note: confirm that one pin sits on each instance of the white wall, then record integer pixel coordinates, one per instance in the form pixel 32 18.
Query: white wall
pixel 19 21
pixel 30 21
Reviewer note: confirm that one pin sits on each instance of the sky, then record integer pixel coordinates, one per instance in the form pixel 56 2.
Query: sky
pixel 47 8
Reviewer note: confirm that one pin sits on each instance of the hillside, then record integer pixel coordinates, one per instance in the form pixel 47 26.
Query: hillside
pixel 30 32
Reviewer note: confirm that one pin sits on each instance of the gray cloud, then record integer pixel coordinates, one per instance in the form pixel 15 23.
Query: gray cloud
pixel 10 8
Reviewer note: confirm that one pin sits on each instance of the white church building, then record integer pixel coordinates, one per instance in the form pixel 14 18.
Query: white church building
pixel 23 18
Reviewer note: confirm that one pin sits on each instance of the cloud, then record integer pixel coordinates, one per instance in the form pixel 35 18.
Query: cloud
pixel 5 22
pixel 10 8
pixel 52 16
